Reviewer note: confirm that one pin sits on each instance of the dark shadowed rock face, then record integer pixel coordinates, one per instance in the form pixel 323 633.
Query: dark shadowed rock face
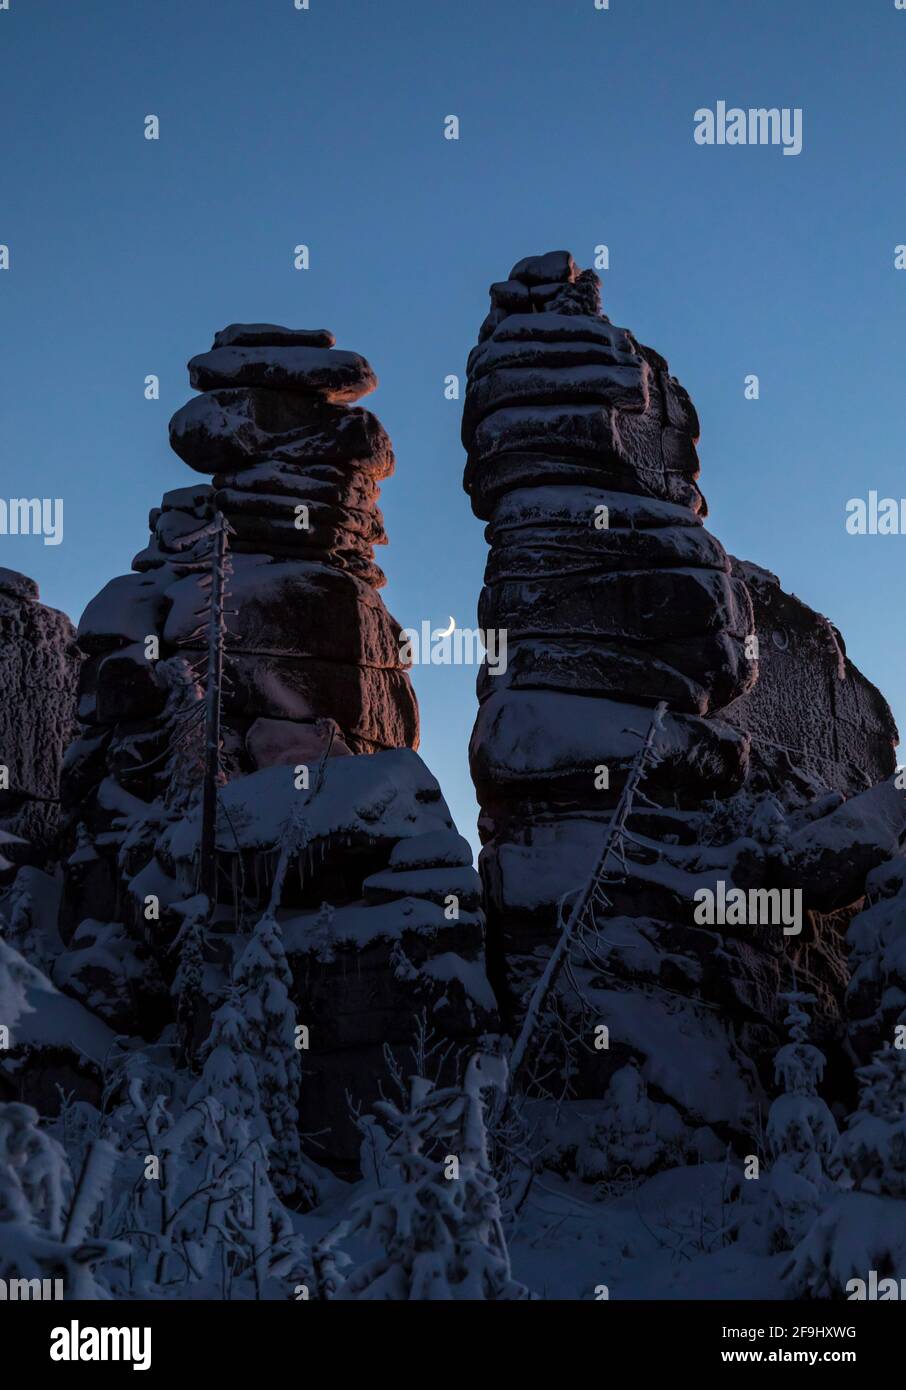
pixel 582 461
pixel 39 664
pixel 811 710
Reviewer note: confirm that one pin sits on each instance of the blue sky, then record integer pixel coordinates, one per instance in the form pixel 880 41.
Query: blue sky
pixel 325 127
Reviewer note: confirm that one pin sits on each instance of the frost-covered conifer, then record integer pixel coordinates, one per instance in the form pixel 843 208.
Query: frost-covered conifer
pixel 189 946
pixel 631 1132
pixel 438 1225
pixel 229 1073
pixel 321 938
pixel 252 1223
pixel 874 1145
pixel 876 994
pixel 802 1134
pixel 863 1230
pixel 263 978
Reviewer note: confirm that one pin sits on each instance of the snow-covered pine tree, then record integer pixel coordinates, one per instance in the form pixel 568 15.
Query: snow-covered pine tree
pixel 321 938
pixel 229 1073
pixel 185 1169
pixel 38 1163
pixel 263 978
pixel 802 1135
pixel 186 990
pixel 630 1133
pixel 876 994
pixel 864 1229
pixel 329 1263
pixel 439 1224
pixel 246 1212
pixel 193 768
pixel 874 1145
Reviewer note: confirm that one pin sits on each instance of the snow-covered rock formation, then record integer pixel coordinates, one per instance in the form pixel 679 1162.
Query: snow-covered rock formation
pixel 582 461
pixel 613 595
pixel 39 665
pixel 327 817
pixel 295 470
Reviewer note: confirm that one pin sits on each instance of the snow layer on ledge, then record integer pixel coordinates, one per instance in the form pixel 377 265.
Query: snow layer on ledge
pixel 389 795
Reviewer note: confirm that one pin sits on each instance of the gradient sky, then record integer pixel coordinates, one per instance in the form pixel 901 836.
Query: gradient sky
pixel 325 127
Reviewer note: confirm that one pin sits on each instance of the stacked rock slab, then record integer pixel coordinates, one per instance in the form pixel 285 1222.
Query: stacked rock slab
pixel 39 665
pixel 582 459
pixel 614 597
pixel 295 468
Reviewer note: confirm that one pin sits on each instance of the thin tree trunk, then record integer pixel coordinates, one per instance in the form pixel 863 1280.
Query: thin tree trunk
pixel 208 855
pixel 575 920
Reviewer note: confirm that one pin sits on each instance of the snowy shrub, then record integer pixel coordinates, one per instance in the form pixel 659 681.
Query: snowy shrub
pixel 863 1230
pixel 263 978
pixel 854 1234
pixel 205 1217
pixel 189 945
pixel 802 1134
pixel 46 1219
pixel 438 1225
pixel 630 1131
pixel 874 1145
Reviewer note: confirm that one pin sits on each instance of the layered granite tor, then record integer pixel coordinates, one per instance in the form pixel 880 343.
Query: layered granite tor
pixel 582 461
pixel 295 468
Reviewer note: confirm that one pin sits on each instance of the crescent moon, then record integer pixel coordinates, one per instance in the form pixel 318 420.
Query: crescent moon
pixel 449 631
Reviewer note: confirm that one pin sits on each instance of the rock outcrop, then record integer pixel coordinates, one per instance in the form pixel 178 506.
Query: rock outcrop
pixel 582 461
pixel 380 915
pixel 812 716
pixel 39 664
pixel 295 470
pixel 376 892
